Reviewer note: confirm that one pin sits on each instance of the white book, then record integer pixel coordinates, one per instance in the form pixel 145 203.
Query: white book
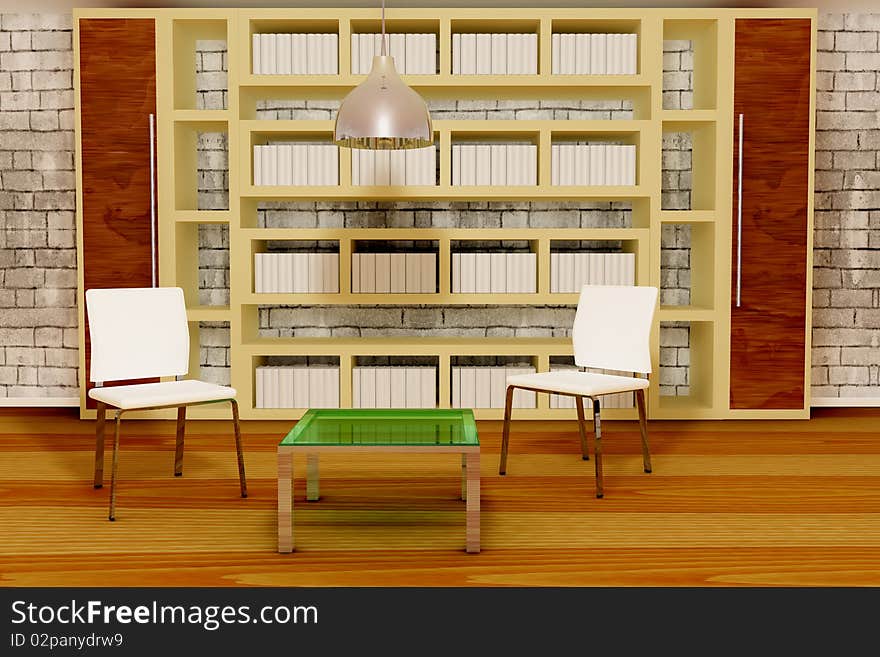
pixel 316 273
pixel 598 164
pixel 519 59
pixel 499 54
pixel 522 398
pixel 468 266
pixel 382 164
pixel 398 52
pixel 554 164
pixel 567 280
pixel 498 160
pixel 601 52
pixel 413 273
pixel 567 54
pixel 331 272
pixel 483 164
pixel 483 383
pixel 582 54
pixel 610 52
pixel 354 154
pixel 298 54
pixel 356 387
pixel 268 53
pixel 620 46
pixel 456 165
pixel 455 386
pixel 368 273
pixel 468 387
pixel 632 54
pixel 594 54
pixel 268 273
pixel 265 164
pixel 355 53
pixel 484 54
pixel 413 387
pixel 367 167
pixel 331 54
pixel 530 273
pixel 629 269
pixel 314 61
pixel 412 58
pixel 383 387
pixel 497 386
pixel 468 54
pixel 258 165
pixel 609 266
pixel 530 172
pixel 397 284
pixel 300 278
pixel 520 277
pixel 483 283
pixel 554 272
pixel 580 270
pixel 283 54
pixel 383 273
pixel 455 266
pixel 355 273
pixel 398 387
pixel 314 167
pixel 331 163
pixel 413 173
pixel 316 387
pixel 258 272
pixel 567 163
pixel 428 387
pixel 582 165
pixel 428 272
pixel 300 168
pixel 468 164
pixel 429 52
pixel 596 272
pixel 367 52
pixel 554 53
pixel 532 43
pixel 397 168
pixel 611 163
pixel 498 273
pixel 259 382
pixel 331 387
pixel 256 59
pixel 368 387
pixel 456 54
pixel 630 165
pixel 272 392
pixel 284 165
pixel 430 166
pixel 286 380
pixel 514 168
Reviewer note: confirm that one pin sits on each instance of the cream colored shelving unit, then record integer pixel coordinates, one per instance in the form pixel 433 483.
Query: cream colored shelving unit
pixel 709 123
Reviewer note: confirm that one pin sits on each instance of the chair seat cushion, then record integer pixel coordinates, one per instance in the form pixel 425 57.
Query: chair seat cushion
pixel 168 393
pixel 586 384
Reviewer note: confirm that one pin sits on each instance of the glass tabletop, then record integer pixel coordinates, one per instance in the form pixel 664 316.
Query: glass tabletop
pixel 382 426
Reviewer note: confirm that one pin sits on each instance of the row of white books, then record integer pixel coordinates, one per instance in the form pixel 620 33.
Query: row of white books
pixel 494 164
pixel 486 387
pixel 305 386
pixel 296 164
pixel 394 273
pixel 414 54
pixel 617 400
pixel 414 166
pixel 594 54
pixel 296 272
pixel 593 164
pixel 494 54
pixel 569 272
pixel 295 54
pixel 485 273
pixel 394 387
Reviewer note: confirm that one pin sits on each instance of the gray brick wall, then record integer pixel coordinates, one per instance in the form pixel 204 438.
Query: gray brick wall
pixel 846 256
pixel 38 329
pixel 38 335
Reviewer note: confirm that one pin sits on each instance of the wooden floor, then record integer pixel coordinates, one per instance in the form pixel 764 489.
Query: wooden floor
pixel 729 504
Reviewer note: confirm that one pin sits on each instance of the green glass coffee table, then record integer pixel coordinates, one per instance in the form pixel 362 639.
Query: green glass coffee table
pixel 380 430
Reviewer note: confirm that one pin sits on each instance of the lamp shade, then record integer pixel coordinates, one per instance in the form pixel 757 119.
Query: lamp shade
pixel 383 113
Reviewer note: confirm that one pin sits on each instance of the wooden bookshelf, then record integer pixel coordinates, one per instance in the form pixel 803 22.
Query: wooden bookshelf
pixel 710 30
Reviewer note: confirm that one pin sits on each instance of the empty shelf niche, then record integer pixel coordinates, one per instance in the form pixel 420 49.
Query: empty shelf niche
pixel 492 270
pixel 289 163
pixel 397 168
pixel 494 164
pixel 566 364
pixel 481 381
pixel 571 269
pixel 592 163
pixel 295 267
pixel 298 383
pixel 393 385
pixel 393 268
pixel 413 54
pixel 295 54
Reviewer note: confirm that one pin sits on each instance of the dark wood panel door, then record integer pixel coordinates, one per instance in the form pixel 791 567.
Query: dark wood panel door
pixel 117 71
pixel 768 325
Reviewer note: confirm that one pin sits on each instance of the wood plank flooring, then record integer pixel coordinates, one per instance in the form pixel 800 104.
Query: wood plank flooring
pixel 737 503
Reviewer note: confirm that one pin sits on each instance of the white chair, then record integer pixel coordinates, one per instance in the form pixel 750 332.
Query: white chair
pixel 612 329
pixel 142 333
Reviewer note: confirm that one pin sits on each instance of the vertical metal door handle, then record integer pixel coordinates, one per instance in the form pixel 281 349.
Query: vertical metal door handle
pixel 153 272
pixel 739 216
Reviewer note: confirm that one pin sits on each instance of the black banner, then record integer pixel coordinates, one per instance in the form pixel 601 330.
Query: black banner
pixel 135 621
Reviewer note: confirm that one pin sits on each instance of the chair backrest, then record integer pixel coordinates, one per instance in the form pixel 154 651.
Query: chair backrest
pixel 612 327
pixel 137 333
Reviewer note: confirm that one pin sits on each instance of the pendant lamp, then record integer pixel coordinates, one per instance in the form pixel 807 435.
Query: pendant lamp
pixel 382 113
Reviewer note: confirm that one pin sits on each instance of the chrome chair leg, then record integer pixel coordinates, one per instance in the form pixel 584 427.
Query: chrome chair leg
pixel 505 434
pixel 643 428
pixel 585 450
pixel 597 424
pixel 237 426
